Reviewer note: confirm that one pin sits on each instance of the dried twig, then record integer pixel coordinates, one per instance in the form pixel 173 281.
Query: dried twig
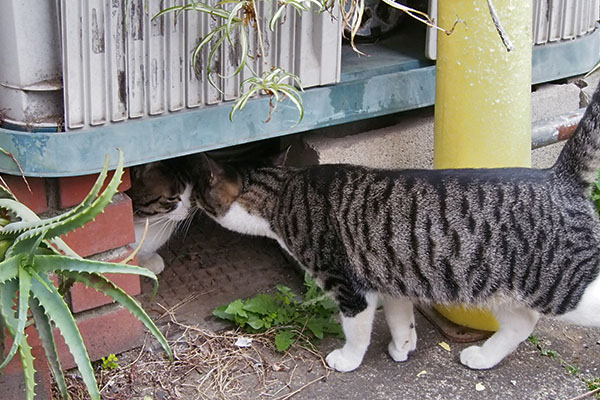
pixel 503 35
pixel 585 395
pixel 287 396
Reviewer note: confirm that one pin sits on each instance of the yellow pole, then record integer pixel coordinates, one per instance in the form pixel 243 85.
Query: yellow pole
pixel 483 98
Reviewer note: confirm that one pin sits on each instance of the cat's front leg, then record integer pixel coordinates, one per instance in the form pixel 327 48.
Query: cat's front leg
pixel 154 262
pixel 357 329
pixel 401 321
pixel 516 324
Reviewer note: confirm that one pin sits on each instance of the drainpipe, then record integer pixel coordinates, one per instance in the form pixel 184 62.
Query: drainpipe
pixel 483 98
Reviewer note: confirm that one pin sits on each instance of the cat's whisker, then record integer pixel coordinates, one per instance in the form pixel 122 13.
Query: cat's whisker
pixel 187 223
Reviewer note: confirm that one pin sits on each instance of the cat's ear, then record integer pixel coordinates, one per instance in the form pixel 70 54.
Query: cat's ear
pixel 139 171
pixel 279 159
pixel 214 169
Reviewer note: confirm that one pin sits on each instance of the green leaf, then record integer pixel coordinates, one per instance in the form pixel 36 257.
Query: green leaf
pixel 24 280
pixel 8 293
pixel 261 304
pixel 236 308
pixel 28 369
pixel 58 311
pixel 315 325
pixel 29 220
pixel 219 312
pixel 105 286
pixel 66 222
pixel 9 268
pixel 284 339
pixel 287 293
pixel 44 328
pixel 255 322
pixel 57 263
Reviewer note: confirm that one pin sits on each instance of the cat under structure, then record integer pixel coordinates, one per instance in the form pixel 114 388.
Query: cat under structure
pixel 160 193
pixel 521 242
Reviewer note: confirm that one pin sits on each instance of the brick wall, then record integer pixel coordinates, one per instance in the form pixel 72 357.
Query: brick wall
pixel 106 328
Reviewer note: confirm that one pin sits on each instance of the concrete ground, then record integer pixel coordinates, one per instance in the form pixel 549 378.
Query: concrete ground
pixel 209 266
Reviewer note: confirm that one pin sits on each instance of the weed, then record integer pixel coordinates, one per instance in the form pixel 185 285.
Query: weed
pixel 294 316
pixel 109 363
pixel 592 384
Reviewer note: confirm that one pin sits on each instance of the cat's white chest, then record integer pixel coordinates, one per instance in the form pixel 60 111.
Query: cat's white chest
pixel 239 220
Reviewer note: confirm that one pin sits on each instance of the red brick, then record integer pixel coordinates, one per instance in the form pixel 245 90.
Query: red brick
pixel 36 199
pixel 12 381
pixel 106 330
pixel 111 229
pixel 72 190
pixel 84 298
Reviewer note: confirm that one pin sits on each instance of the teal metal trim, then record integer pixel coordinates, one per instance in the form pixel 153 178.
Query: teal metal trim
pixel 384 83
pixel 566 58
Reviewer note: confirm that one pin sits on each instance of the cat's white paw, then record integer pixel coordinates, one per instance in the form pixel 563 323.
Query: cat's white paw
pixel 400 353
pixel 154 263
pixel 341 361
pixel 475 358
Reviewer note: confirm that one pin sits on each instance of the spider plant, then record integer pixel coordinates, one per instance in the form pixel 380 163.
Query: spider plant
pixel 31 254
pixel 235 19
pixel 272 84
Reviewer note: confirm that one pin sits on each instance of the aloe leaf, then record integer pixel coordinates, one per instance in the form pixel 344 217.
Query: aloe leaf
pixel 65 264
pixel 27 243
pixel 33 221
pixel 8 292
pixel 58 311
pixel 104 285
pixel 6 190
pixel 83 215
pixel 57 244
pixel 24 289
pixel 28 369
pixel 9 268
pixel 44 328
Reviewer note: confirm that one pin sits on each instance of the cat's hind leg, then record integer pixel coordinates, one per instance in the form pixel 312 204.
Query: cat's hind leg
pixel 587 312
pixel 357 329
pixel 401 321
pixel 516 324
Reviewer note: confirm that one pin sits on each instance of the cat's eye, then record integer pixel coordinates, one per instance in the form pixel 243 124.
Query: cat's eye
pixel 174 198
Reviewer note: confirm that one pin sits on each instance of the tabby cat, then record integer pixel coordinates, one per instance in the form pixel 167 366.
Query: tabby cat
pixel 521 242
pixel 160 193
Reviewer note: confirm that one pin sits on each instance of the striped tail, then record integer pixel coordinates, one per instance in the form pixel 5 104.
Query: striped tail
pixel 580 158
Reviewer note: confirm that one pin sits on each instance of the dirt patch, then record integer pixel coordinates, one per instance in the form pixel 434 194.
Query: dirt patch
pixel 208 365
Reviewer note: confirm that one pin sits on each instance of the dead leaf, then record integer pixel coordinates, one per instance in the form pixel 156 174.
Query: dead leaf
pixel 445 346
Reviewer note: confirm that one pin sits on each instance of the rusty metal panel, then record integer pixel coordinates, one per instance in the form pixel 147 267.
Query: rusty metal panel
pixel 120 64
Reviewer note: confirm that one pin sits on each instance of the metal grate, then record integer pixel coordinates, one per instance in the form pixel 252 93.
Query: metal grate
pixel 555 20
pixel 114 70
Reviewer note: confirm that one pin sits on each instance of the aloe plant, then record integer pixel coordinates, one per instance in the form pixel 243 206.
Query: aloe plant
pixel 31 253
